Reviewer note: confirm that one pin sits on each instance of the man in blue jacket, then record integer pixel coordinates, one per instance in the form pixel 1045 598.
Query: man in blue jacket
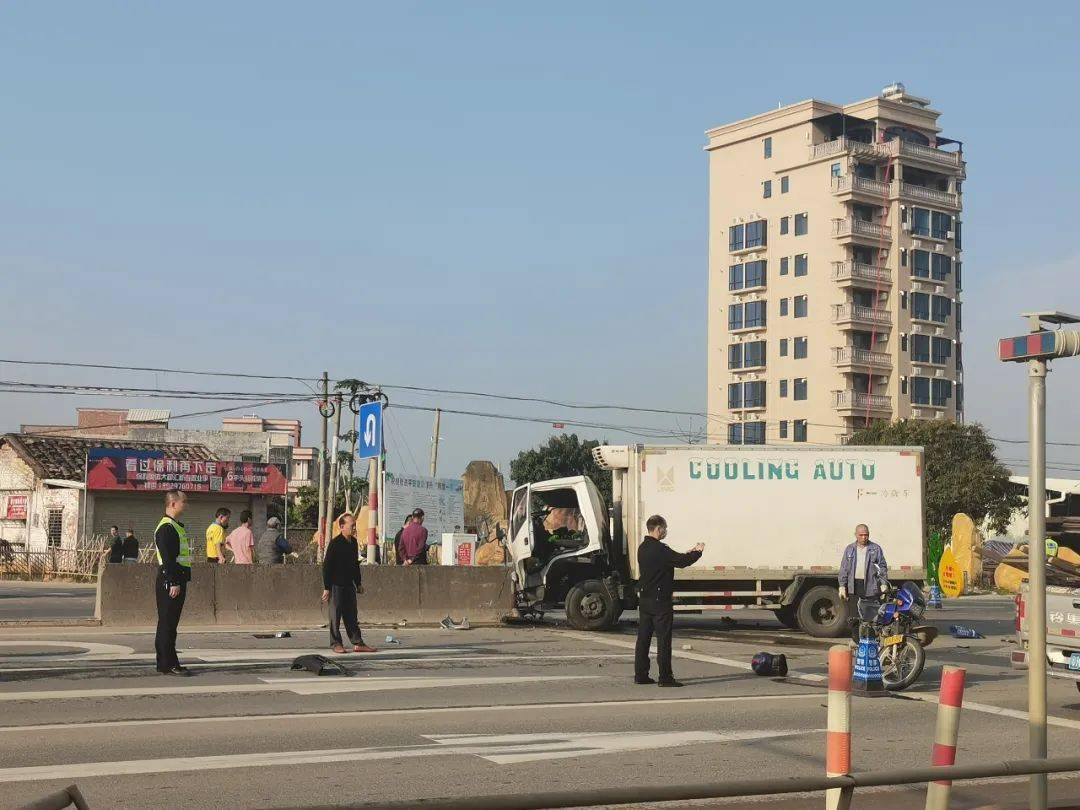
pixel 863 570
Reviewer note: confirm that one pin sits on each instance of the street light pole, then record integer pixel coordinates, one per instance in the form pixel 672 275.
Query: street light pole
pixel 1037 575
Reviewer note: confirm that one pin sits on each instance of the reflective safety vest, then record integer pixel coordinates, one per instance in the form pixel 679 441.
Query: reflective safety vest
pixel 184 557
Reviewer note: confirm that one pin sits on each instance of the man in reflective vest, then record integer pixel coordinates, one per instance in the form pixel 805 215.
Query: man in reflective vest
pixel 174 573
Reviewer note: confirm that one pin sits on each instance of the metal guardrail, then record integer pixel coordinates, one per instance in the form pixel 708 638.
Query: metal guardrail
pixel 723 790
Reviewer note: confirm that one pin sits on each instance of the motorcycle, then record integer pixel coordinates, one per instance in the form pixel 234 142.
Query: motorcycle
pixel 893 622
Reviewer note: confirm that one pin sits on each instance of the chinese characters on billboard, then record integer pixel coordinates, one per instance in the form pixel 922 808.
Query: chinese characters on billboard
pixel 142 471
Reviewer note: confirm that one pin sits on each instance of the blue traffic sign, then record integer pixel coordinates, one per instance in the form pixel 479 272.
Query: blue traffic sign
pixel 370 445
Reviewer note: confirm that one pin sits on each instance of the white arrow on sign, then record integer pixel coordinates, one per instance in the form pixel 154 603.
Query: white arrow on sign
pixel 501 749
pixel 369 430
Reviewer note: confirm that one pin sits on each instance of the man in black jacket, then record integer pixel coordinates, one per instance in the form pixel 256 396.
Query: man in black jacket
pixel 656 564
pixel 174 573
pixel 341 578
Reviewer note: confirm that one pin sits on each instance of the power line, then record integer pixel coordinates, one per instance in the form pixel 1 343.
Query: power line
pixel 246 375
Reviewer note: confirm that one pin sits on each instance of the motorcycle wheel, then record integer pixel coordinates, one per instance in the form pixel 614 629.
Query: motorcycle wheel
pixel 902 664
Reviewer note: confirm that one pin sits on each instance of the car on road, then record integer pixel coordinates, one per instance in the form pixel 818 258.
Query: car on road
pixel 1062 632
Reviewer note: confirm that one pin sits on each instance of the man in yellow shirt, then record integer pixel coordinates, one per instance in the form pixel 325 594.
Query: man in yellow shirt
pixel 215 536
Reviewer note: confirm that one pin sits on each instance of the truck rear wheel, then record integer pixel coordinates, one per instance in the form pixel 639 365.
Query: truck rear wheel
pixel 589 606
pixel 821 612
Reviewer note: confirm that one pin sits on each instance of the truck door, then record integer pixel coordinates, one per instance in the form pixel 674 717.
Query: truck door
pixel 519 539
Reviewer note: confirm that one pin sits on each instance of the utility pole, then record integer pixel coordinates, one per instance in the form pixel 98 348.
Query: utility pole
pixel 332 496
pixel 321 530
pixel 435 443
pixel 352 461
pixel 1036 348
pixel 373 508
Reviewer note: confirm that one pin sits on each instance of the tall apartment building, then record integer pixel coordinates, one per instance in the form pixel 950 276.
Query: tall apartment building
pixel 834 270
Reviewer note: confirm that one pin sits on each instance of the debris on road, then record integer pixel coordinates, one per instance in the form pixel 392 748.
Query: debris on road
pixel 961 631
pixel 391 640
pixel 450 624
pixel 320 665
pixel 279 634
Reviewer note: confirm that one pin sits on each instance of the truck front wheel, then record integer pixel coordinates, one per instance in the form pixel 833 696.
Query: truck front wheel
pixel 589 606
pixel 821 612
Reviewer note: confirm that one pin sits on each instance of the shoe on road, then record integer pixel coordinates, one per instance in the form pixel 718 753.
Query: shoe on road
pixel 364 648
pixel 672 683
pixel 179 671
pixel 337 648
pixel 643 681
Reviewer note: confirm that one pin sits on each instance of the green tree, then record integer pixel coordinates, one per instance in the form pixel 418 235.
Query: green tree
pixel 563 455
pixel 304 505
pixel 961 468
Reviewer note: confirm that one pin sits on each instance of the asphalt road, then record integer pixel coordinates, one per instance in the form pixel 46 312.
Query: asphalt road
pixel 46 600
pixel 507 710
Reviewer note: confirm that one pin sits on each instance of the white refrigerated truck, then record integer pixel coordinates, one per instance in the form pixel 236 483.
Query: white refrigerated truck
pixel 774 521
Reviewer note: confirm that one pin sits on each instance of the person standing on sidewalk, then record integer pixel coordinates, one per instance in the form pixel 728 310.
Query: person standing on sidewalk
pixel 414 540
pixel 657 563
pixel 116 545
pixel 174 573
pixel 241 541
pixel 131 546
pixel 215 537
pixel 341 579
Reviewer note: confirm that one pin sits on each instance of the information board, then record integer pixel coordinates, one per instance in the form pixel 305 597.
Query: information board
pixel 442 499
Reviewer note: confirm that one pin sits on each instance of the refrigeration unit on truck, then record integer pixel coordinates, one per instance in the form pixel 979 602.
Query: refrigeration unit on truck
pixel 774 521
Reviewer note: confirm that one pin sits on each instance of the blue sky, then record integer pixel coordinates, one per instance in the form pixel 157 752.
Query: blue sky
pixel 493 196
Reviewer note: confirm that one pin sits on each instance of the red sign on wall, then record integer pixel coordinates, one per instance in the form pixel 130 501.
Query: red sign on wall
pixel 16 507
pixel 114 471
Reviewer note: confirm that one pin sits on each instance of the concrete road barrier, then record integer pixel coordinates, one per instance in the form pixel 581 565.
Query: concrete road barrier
pixel 289 594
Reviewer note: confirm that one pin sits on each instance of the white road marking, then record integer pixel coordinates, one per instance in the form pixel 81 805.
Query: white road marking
pixel 94 650
pixel 507 749
pixel 986 708
pixel 511 707
pixel 692 656
pixel 301 686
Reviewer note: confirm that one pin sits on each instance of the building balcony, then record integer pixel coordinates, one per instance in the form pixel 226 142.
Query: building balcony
pixel 845 146
pixel 858 274
pixel 921 194
pixel 850 400
pixel 937 158
pixel 852 357
pixel 850 228
pixel 858 315
pixel 849 185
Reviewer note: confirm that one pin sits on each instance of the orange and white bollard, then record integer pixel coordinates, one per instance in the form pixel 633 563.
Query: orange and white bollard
pixel 838 735
pixel 948 728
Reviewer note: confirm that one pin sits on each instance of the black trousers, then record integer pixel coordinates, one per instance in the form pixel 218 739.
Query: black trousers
pixel 168 619
pixel 654 620
pixel 343 608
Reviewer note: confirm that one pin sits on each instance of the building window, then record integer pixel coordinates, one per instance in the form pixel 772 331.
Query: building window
pixel 799 387
pixel 784 222
pixel 800 224
pixel 755 314
pixel 834 170
pixel 959 285
pixel 54 527
pixel 754 394
pixel 735 277
pixel 903 299
pixel 800 348
pixel 766 189
pixel 903 385
pixel 734 434
pixel 785 186
pixel 959 396
pixel 940 266
pixel 734 395
pixel 800 306
pixel 757 233
pixel 736 237
pixel 783 389
pixel 801 267
pixel 754 354
pixel 940 225
pixel 767 147
pixel 920 390
pixel 940 392
pixel 903 343
pixel 959 356
pixel 959 320
pixel 920 221
pixel 784 266
pixel 920 264
pixel 783 347
pixel 783 428
pixel 956 235
pixel 941 308
pixel 755 274
pixel 800 430
pixel 903 257
pixel 920 306
pixel 920 348
pixel 783 307
pixel 941 351
pixel 754 433
pixel 735 355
